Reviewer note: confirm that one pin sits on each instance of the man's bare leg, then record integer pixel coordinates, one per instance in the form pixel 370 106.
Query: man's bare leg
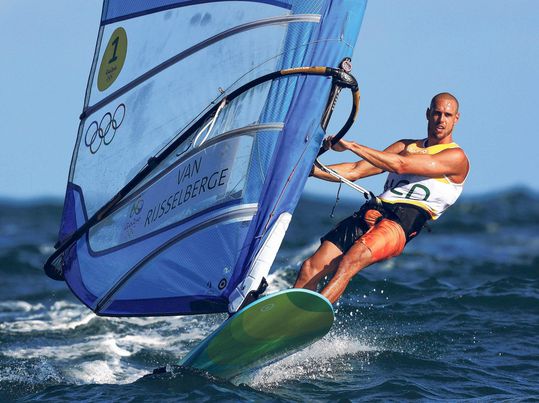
pixel 324 262
pixel 357 258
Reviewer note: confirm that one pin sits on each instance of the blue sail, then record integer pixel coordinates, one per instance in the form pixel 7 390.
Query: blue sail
pixel 196 228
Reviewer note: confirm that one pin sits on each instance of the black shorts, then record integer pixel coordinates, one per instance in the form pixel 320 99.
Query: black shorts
pixel 347 232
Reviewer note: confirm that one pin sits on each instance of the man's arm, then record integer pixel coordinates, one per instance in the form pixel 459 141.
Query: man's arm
pixel 357 170
pixel 450 162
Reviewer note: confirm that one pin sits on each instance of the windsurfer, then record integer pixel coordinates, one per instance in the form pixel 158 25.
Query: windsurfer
pixel 425 178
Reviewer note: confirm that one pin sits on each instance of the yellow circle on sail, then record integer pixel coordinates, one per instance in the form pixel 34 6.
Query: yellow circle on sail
pixel 113 59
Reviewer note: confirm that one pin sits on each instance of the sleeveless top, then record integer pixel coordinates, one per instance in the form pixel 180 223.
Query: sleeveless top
pixel 433 195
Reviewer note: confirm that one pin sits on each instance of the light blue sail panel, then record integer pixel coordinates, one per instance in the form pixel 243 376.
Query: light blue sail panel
pixel 187 234
pixel 122 9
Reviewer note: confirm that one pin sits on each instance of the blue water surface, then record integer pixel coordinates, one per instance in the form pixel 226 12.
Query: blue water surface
pixel 456 317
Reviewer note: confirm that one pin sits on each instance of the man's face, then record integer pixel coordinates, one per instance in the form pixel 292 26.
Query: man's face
pixel 442 117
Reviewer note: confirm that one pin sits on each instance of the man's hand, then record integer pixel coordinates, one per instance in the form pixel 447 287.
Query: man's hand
pixel 341 145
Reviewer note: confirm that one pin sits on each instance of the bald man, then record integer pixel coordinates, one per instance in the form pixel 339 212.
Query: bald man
pixel 425 177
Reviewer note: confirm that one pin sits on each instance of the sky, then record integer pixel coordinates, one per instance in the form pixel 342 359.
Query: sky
pixel 486 52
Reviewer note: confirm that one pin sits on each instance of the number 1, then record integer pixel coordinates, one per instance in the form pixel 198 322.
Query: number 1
pixel 115 43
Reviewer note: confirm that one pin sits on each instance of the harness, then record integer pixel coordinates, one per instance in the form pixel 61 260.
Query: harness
pixel 411 218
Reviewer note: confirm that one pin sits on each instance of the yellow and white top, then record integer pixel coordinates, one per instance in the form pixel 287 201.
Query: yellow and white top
pixel 434 195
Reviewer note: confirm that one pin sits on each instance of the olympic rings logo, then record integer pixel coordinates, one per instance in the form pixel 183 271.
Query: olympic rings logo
pixel 104 131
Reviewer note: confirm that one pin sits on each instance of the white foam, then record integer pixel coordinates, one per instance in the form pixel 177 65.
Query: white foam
pixel 104 355
pixel 318 360
pixel 94 372
pixel 19 306
pixel 23 317
pixel 61 316
pixel 114 368
pixel 112 347
pixel 277 281
pixel 103 372
pixel 143 340
pixel 36 372
pixel 105 344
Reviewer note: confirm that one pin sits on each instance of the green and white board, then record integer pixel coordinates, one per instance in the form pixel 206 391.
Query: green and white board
pixel 268 329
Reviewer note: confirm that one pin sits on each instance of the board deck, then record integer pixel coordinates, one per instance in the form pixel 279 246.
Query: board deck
pixel 270 328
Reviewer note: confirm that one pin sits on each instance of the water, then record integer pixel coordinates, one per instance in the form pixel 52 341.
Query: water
pixel 455 317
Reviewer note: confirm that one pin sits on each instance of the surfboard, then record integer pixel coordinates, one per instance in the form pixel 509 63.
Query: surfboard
pixel 268 329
